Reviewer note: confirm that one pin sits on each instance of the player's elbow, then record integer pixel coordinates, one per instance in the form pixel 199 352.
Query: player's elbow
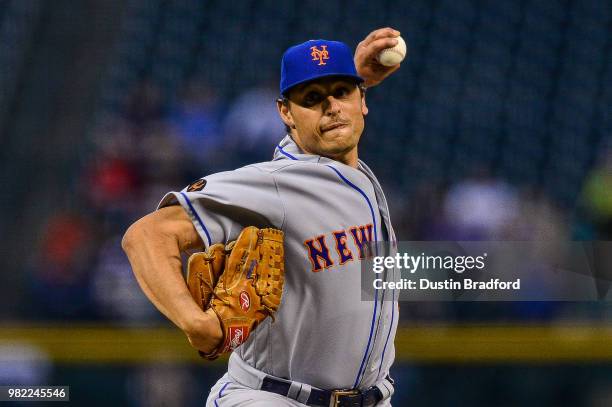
pixel 168 230
pixel 134 235
pixel 150 232
pixel 129 239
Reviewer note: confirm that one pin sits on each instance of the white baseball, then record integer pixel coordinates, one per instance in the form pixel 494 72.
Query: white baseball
pixel 395 55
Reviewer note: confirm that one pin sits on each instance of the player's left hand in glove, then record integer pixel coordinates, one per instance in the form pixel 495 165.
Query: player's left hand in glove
pixel 203 271
pixel 248 290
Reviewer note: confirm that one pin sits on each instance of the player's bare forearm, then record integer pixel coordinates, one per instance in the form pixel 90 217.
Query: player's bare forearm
pixel 366 53
pixel 153 245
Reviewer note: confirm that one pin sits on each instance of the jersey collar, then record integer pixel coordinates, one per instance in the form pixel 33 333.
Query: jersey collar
pixel 288 149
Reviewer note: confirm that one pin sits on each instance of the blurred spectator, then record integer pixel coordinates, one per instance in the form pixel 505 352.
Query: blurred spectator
pixel 114 137
pixel 195 121
pixel 23 364
pixel 252 126
pixel 60 273
pixel 161 160
pixel 115 289
pixel 112 186
pixel 162 384
pixel 419 217
pixel 541 223
pixel 537 219
pixel 111 180
pixel 144 107
pixel 480 207
pixel 597 196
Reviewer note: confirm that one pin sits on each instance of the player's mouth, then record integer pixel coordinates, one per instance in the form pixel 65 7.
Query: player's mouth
pixel 333 126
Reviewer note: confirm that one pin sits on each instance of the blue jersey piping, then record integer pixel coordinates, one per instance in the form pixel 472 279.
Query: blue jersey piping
pixel 286 153
pixel 221 393
pixel 382 358
pixel 356 188
pixel 197 217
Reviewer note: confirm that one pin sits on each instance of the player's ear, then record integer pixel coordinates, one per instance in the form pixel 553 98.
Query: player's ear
pixel 364 107
pixel 282 105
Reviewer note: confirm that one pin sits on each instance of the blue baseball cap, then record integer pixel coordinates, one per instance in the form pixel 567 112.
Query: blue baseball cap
pixel 315 59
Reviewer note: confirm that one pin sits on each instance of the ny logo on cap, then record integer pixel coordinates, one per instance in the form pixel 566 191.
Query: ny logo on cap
pixel 319 54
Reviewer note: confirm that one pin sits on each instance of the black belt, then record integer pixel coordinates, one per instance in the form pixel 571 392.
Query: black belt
pixel 333 398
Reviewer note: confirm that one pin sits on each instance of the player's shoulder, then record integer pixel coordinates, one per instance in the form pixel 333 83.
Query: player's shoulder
pixel 261 170
pixel 277 167
pixel 257 172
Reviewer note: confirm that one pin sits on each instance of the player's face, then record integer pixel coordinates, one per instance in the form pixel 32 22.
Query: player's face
pixel 327 118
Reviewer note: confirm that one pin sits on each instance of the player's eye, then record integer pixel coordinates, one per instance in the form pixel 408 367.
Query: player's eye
pixel 312 98
pixel 341 92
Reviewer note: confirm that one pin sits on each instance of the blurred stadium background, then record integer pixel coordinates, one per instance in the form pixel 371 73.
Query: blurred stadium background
pixel 498 126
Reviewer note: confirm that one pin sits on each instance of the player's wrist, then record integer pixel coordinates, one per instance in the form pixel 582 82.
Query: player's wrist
pixel 215 333
pixel 187 315
pixel 203 330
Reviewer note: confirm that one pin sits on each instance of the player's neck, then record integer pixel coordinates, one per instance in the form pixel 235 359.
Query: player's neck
pixel 349 159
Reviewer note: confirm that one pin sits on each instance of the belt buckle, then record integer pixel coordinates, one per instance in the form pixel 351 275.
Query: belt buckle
pixel 334 400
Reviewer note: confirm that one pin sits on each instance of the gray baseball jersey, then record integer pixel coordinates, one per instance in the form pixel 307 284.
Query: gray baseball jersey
pixel 324 334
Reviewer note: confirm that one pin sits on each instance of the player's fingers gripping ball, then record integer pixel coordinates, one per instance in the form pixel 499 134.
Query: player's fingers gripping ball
pixel 203 271
pixel 251 286
pixel 394 55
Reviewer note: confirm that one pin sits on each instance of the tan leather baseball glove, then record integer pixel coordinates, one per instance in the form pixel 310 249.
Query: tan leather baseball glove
pixel 203 271
pixel 250 273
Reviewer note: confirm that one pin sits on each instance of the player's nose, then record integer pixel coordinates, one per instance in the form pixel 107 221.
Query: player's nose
pixel 331 105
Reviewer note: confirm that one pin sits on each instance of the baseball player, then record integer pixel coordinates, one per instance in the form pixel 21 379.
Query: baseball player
pixel 325 346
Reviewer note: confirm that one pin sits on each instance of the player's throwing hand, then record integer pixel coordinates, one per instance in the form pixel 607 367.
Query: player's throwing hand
pixel 366 54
